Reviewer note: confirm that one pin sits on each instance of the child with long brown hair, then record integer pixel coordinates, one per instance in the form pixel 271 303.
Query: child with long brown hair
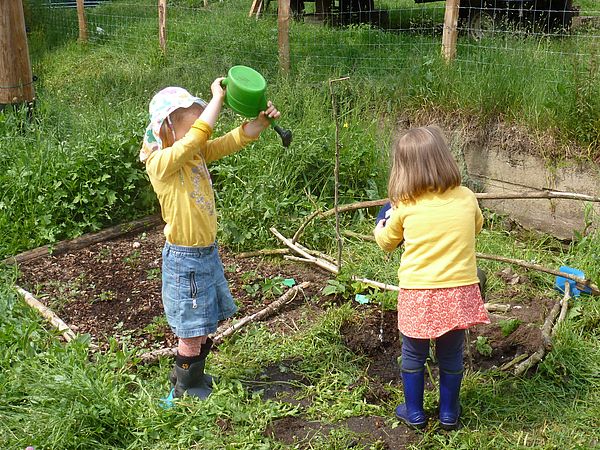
pixel 437 219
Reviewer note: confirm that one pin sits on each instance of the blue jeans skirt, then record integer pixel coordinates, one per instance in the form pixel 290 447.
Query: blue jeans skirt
pixel 195 293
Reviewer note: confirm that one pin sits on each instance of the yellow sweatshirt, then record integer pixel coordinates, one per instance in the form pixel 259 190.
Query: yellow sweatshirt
pixel 183 185
pixel 439 239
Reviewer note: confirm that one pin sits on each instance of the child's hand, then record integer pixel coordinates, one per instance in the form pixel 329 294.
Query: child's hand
pixel 217 90
pixel 380 225
pixel 262 122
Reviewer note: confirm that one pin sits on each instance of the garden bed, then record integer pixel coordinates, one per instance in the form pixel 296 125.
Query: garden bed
pixel 113 290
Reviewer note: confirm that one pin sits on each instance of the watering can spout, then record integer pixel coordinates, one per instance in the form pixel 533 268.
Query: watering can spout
pixel 286 135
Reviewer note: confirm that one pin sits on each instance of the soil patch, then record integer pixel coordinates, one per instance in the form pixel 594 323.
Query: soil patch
pixel 366 432
pixel 374 334
pixel 113 289
pixel 280 382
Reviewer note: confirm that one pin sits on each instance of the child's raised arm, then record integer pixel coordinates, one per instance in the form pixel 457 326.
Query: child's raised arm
pixel 212 110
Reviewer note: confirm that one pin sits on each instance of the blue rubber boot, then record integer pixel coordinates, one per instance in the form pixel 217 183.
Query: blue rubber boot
pixel 411 412
pixel 449 399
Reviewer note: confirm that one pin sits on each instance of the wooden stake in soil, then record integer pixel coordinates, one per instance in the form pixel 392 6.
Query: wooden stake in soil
pixel 162 25
pixel 450 30
pixel 336 172
pixel 83 31
pixel 283 33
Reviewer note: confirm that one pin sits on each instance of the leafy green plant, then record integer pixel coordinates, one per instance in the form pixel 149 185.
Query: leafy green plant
pixel 335 287
pixel 106 296
pixel 272 287
pixel 153 273
pixel 482 344
pixel 157 328
pixel 133 258
pixel 508 326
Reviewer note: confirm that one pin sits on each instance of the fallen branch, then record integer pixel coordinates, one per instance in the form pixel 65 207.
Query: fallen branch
pixel 496 307
pixel 581 282
pixel 536 357
pixel 478 195
pixel 263 252
pixel 564 308
pixel 287 297
pixel 536 194
pixel 364 237
pixel 48 314
pixel 85 240
pixel 515 360
pixel 318 261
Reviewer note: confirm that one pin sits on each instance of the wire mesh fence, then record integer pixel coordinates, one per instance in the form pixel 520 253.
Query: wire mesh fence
pixel 548 40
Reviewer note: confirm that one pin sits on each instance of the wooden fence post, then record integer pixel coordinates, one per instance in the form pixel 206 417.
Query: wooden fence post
pixel 162 25
pixel 450 30
pixel 16 80
pixel 283 27
pixel 83 32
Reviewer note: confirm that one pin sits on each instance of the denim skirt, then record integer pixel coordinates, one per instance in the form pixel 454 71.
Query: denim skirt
pixel 195 293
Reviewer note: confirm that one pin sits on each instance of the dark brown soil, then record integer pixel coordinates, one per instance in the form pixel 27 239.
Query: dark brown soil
pixel 366 431
pixel 113 289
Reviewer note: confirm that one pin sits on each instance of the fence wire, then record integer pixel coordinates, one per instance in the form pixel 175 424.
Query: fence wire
pixel 548 40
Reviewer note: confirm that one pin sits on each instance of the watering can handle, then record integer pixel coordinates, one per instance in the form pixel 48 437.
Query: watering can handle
pixel 286 135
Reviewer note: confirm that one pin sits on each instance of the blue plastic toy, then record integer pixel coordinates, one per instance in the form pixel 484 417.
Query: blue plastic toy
pixel 384 213
pixel 560 282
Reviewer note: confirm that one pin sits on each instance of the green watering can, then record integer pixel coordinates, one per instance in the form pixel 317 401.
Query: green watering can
pixel 246 95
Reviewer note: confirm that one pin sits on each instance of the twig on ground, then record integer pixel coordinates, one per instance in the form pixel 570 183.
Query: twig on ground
pixel 564 308
pixel 536 357
pixel 272 308
pixel 318 261
pixel 496 307
pixel 364 237
pixel 581 282
pixel 514 361
pixel 263 252
pixel 221 334
pixel 48 314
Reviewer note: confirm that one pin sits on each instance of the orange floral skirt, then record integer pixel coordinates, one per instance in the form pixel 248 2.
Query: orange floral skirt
pixel 430 313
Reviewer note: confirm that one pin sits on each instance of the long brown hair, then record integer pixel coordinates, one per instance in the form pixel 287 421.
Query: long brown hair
pixel 421 162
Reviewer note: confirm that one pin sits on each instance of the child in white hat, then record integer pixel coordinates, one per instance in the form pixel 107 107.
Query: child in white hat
pixel 176 150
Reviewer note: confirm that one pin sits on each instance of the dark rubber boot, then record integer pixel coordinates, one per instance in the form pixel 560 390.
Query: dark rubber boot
pixel 482 281
pixel 209 379
pixel 191 378
pixel 411 412
pixel 449 399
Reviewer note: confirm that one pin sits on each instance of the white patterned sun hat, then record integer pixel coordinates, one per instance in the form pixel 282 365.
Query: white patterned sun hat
pixel 162 104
